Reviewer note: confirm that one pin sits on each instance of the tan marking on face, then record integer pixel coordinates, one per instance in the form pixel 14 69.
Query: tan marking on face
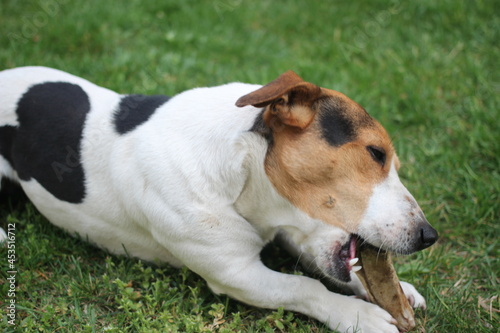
pixel 312 174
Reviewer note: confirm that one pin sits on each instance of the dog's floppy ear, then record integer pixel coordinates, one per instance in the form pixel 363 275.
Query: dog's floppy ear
pixel 289 98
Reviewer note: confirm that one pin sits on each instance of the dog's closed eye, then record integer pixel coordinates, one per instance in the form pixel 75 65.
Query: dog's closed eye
pixel 378 154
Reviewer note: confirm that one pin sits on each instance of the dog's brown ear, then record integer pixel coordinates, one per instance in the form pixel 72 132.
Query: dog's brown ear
pixel 289 98
pixel 271 91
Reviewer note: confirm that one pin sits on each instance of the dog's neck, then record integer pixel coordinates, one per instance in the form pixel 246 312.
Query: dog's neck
pixel 270 213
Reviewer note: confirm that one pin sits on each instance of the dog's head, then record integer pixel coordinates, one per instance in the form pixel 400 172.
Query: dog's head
pixel 333 161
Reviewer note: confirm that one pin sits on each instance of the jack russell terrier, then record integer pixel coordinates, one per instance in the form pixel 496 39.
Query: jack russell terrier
pixel 196 180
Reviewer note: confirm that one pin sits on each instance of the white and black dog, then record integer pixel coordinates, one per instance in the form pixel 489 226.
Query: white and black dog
pixel 196 180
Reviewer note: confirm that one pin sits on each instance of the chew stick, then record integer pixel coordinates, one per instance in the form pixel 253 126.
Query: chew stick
pixel 382 284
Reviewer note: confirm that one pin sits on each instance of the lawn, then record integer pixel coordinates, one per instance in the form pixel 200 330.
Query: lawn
pixel 427 70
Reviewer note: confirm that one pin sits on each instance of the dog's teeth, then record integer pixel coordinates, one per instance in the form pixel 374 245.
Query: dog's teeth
pixel 356 268
pixel 353 261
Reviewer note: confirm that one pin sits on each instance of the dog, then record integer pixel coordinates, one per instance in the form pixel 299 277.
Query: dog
pixel 207 178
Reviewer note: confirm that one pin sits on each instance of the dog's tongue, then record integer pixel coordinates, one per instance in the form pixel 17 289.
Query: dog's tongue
pixel 352 247
pixel 382 284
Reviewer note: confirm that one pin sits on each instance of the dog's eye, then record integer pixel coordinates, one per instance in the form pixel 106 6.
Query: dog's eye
pixel 378 154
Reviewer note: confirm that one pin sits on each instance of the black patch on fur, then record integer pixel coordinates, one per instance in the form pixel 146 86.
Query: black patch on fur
pixel 11 192
pixel 47 146
pixel 338 126
pixel 7 135
pixel 260 127
pixel 134 110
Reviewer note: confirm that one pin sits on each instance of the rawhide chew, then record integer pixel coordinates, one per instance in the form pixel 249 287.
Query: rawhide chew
pixel 382 284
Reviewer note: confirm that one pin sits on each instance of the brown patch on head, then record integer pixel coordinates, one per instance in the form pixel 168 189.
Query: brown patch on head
pixel 327 152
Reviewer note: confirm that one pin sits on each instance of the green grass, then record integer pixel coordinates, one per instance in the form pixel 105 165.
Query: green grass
pixel 427 70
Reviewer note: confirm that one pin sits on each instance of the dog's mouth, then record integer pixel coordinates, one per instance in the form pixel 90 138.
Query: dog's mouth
pixel 348 256
pixel 347 253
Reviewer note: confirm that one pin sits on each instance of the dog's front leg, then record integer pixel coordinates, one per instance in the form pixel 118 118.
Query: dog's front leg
pixel 257 285
pixel 227 255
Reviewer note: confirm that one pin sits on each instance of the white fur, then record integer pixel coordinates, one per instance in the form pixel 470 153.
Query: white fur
pixel 3 236
pixel 389 211
pixel 188 187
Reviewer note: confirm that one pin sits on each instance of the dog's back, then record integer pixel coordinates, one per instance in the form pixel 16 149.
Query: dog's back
pixel 77 150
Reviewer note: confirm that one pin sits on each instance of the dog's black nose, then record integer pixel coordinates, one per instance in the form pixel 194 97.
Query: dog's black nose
pixel 428 236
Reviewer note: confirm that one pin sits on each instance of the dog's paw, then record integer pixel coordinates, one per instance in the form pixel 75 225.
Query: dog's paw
pixel 374 319
pixel 414 298
pixel 358 316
